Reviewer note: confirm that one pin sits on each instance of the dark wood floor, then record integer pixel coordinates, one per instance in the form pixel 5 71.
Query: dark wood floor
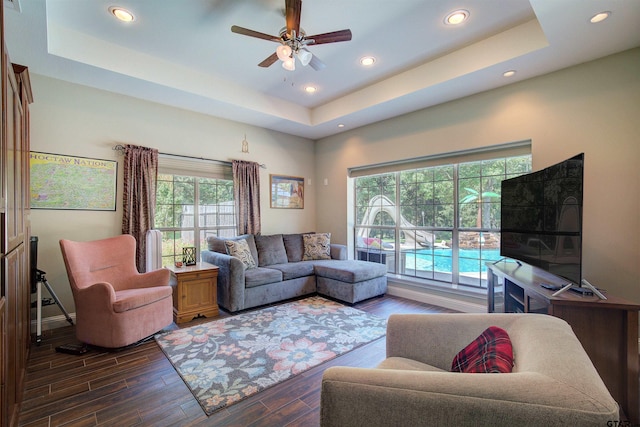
pixel 139 387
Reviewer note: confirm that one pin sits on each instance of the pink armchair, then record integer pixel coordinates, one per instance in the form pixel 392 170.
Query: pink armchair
pixel 115 305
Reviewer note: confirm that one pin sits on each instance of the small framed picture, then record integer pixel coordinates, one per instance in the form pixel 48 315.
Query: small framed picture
pixel 287 192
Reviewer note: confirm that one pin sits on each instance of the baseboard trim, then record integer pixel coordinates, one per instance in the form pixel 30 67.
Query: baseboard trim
pixel 53 322
pixel 441 301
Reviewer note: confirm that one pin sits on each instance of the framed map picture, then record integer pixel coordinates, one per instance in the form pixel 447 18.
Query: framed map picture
pixel 287 192
pixel 74 183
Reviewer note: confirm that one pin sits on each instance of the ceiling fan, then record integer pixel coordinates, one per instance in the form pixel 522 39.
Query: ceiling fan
pixel 294 41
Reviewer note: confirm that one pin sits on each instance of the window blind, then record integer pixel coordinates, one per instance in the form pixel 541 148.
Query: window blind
pixel 191 166
pixel 511 149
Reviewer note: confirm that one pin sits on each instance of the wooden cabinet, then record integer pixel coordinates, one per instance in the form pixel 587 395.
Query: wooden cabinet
pixel 3 371
pixel 15 304
pixel 17 328
pixel 607 329
pixel 195 292
pixel 13 162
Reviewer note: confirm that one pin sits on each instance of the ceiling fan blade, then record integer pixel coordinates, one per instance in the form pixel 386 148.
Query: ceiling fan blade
pixel 292 12
pixel 333 37
pixel 251 33
pixel 269 61
pixel 317 64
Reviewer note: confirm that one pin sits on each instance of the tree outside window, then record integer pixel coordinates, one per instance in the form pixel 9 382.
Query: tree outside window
pixel 180 200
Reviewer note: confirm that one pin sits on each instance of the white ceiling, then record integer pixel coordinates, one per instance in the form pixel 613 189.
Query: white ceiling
pixel 183 53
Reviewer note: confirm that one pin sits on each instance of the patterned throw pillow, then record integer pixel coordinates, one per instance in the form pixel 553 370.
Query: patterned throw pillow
pixel 491 352
pixel 316 246
pixel 240 249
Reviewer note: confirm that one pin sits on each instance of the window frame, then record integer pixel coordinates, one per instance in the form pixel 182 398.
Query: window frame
pixel 398 265
pixel 198 231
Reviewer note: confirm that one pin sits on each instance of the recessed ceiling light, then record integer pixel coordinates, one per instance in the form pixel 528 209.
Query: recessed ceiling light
pixel 340 125
pixel 599 17
pixel 456 17
pixel 122 14
pixel 509 73
pixel 367 61
pixel 310 89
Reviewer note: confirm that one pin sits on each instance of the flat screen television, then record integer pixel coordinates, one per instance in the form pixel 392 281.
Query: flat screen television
pixel 541 219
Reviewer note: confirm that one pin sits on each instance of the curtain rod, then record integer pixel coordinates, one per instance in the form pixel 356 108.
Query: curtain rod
pixel 120 147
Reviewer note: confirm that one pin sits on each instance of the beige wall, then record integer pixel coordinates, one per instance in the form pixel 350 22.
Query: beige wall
pixel 76 120
pixel 592 108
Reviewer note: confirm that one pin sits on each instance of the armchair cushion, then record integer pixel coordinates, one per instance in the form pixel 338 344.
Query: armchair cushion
pixel 130 299
pixel 491 352
pixel 404 364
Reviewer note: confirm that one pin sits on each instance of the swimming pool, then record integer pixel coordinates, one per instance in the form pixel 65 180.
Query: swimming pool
pixel 469 261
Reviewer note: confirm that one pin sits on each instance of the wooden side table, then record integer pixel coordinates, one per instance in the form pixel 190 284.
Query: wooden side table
pixel 195 291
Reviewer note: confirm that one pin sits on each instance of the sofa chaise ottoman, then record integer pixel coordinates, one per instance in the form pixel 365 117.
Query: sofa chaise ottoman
pixel 255 270
pixel 351 281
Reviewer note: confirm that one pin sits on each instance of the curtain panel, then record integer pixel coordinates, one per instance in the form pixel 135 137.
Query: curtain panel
pixel 139 198
pixel 246 188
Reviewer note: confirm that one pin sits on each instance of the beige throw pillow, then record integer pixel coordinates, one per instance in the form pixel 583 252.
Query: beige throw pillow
pixel 317 246
pixel 240 249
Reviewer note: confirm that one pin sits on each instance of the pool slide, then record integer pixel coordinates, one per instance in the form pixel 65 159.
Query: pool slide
pixel 379 204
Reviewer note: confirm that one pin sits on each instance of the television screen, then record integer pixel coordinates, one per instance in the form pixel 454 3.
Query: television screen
pixel 541 218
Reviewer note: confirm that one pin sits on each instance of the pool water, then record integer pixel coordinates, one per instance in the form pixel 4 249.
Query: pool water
pixel 470 260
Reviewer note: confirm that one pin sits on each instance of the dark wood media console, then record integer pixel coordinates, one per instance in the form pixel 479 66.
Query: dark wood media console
pixel 607 329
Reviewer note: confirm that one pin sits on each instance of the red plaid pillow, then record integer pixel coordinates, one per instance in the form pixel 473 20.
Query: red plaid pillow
pixel 491 352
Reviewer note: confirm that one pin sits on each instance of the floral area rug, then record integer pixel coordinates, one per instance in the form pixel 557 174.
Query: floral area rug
pixel 227 360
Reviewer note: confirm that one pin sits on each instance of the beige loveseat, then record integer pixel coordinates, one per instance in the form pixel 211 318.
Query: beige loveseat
pixel 553 381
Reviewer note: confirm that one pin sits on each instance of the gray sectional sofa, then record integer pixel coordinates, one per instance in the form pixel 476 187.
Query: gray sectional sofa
pixel 281 273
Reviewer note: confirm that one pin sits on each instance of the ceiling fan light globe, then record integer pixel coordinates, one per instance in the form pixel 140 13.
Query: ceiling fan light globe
pixel 284 52
pixel 289 64
pixel 304 56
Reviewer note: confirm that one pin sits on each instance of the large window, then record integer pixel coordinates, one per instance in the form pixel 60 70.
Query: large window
pixel 439 224
pixel 191 208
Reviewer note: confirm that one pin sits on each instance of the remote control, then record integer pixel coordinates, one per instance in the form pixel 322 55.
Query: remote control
pixel 550 286
pixel 72 349
pixel 582 291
